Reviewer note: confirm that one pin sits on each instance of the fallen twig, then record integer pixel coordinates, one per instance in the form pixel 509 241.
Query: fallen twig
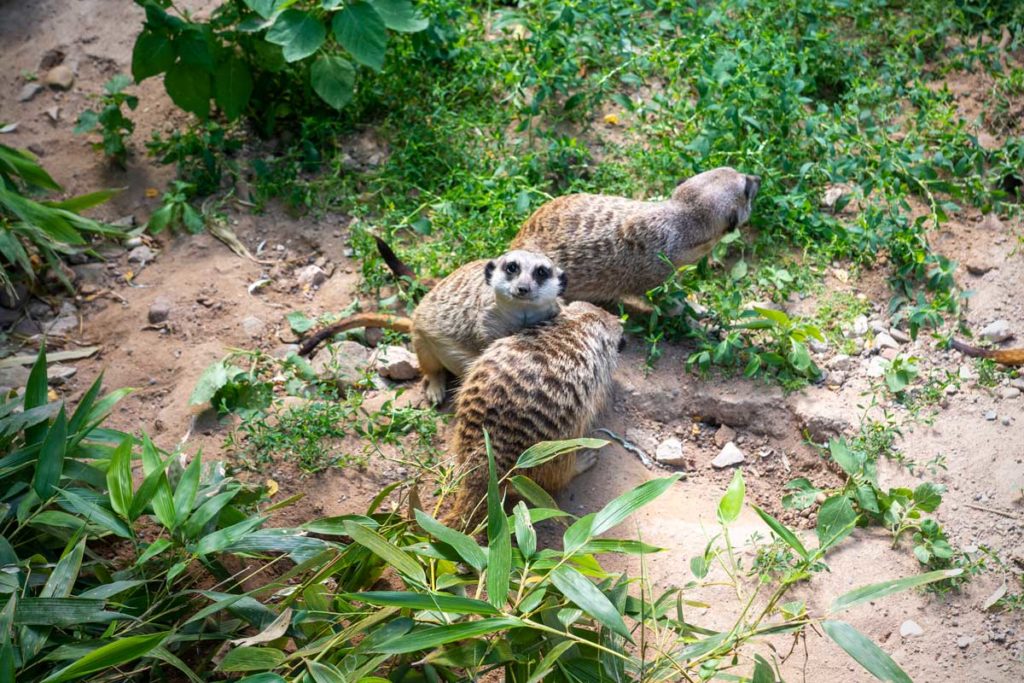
pixel 1001 513
pixel 649 462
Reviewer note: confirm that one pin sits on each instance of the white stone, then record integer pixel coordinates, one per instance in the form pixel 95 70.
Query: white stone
pixel 57 373
pixel 397 363
pixel 841 362
pixel 729 456
pixel 910 629
pixel 253 326
pixel 877 366
pixel 884 341
pixel 860 326
pixel 670 452
pixel 1009 392
pixel 997 331
pixel 311 276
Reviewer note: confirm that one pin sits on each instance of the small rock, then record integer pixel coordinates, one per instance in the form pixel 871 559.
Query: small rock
pixel 964 641
pixel 311 276
pixel 60 77
pixel 141 255
pixel 860 326
pixel 877 326
pixel 127 222
pixel 54 114
pixel 133 242
pixel 15 298
pixel 899 335
pixel 159 311
pixel 670 452
pixel 1017 383
pixel 397 363
pixel 997 331
pixel 1009 393
pixel 991 416
pixel 1007 421
pixel 877 366
pixel 965 372
pixel 57 374
pixel 14 376
pixel 729 456
pixel 343 363
pixel 28 91
pixel 884 341
pixel 889 354
pixel 818 346
pixel 832 196
pixel 66 321
pixel 253 326
pixel 836 378
pixel 285 350
pixel 724 435
pixel 51 58
pixel 841 362
pixel 642 439
pixel 951 390
pixel 978 268
pixel 910 629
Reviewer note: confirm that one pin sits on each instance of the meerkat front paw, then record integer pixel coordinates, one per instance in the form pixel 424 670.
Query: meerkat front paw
pixel 585 459
pixel 435 390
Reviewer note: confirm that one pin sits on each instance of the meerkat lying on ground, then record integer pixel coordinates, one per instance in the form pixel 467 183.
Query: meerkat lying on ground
pixel 611 247
pixel 466 311
pixel 543 383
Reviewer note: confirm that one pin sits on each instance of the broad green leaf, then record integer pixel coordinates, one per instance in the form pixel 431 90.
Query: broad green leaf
pixel 36 395
pixel 119 478
pixel 153 54
pixel 544 451
pixel 547 664
pixel 805 493
pixel 585 595
pixel 732 502
pixel 80 416
pixel 622 507
pixel 105 591
pixel 361 31
pixel 841 453
pixel 188 485
pixel 836 520
pixel 782 532
pixel 96 514
pixel 51 457
pixel 154 549
pixel 879 590
pixel 699 566
pixel 526 535
pixel 762 671
pixel 190 88
pixel 333 79
pixel 163 500
pixel 928 496
pixel 399 560
pixel 61 612
pixel 232 87
pixel 465 546
pixel 298 33
pixel 222 538
pixel 213 379
pixel 299 323
pixel 114 654
pixel 62 579
pixel 324 673
pixel 251 659
pixel 430 637
pixel 400 15
pixel 206 512
pixel 865 652
pixel 534 494
pixel 578 534
pixel 499 540
pixel 265 678
pixel 441 602
pixel 610 545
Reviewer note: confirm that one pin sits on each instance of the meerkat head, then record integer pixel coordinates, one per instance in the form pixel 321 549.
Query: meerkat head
pixel 723 194
pixel 525 277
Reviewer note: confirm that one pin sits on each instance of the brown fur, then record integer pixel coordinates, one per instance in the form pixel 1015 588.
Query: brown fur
pixel 610 247
pixel 1002 356
pixel 544 383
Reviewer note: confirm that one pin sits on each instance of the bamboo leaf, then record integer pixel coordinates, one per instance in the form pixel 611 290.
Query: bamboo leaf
pixel 222 538
pixel 36 395
pixel 534 494
pixel 542 452
pixel 163 503
pixel 526 535
pixel 188 485
pixel 466 547
pixel 400 560
pixel 119 478
pixel 251 659
pixel 51 457
pixel 622 507
pixel 732 502
pixel 545 666
pixel 96 514
pixel 585 595
pixel 62 579
pixel 441 602
pixel 865 652
pixel 499 540
pixel 430 637
pixel 880 590
pixel 784 533
pixel 112 655
pixel 324 673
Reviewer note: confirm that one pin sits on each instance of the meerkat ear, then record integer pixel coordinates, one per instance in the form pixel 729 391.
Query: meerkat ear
pixel 563 282
pixel 489 270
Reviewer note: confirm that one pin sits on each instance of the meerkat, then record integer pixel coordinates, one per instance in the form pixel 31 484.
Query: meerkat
pixel 1001 356
pixel 611 247
pixel 543 383
pixel 466 311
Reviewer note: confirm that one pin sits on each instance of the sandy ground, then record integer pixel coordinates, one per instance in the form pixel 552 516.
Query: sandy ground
pixel 212 310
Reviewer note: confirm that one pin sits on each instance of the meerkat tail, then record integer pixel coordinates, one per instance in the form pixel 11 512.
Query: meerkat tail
pixel 1001 356
pixel 469 506
pixel 390 322
pixel 394 264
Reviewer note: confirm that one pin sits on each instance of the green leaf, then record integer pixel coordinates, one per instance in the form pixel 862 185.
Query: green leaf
pixel 97 515
pixel 206 512
pixel 732 502
pixel 762 671
pixel 805 493
pixel 585 595
pixel 333 79
pixel 928 496
pixel 119 478
pixel 865 652
pixel 154 549
pixel 299 323
pixel 222 538
pixel 699 566
pixel 119 652
pixel 465 546
pixel 163 502
pixel 846 459
pixel 399 560
pixel 185 493
pixel 430 637
pixel 547 664
pixel 213 379
pixel 51 457
pixel 87 121
pixel 400 15
pixel 324 673
pixel 361 31
pixel 836 520
pixel 782 532
pixel 739 270
pixel 35 396
pixel 526 535
pixel 441 602
pixel 61 612
pixel 542 452
pixel 251 659
pixel 62 579
pixel 622 507
pixel 534 494
pixel 499 540
pixel 153 54
pixel 189 87
pixel 876 591
pixel 298 33
pixel 84 201
pixel 232 87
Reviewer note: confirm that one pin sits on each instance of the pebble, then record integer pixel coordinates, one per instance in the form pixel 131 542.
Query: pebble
pixel 60 77
pixel 724 435
pixel 28 91
pixel 963 641
pixel 997 331
pixel 253 326
pixel 877 366
pixel 1017 383
pixel 311 276
pixel 54 114
pixel 818 346
pixel 889 354
pixel 991 416
pixel 910 629
pixel 860 326
pixel 1009 393
pixel 1007 420
pixel 133 242
pixel 842 362
pixel 58 374
pixel 899 335
pixel 878 327
pixel 884 341
pixel 141 255
pixel 670 452
pixel 397 363
pixel 729 456
pixel 965 372
pixel 159 311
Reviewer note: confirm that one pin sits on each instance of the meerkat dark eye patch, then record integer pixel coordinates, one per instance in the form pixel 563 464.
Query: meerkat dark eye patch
pixel 512 268
pixel 563 282
pixel 489 271
pixel 541 274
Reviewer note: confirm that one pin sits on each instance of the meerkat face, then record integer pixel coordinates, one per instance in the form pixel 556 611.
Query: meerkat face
pixel 525 277
pixel 725 193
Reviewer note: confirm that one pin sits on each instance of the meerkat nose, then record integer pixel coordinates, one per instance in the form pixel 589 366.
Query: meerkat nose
pixel 522 289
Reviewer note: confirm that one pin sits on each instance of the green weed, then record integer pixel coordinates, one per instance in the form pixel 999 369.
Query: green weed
pixel 114 125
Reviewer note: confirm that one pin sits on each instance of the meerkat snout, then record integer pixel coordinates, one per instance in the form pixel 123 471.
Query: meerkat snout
pixel 525 276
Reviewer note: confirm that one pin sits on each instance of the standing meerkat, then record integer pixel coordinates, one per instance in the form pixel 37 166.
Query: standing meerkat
pixel 544 383
pixel 612 247
pixel 466 311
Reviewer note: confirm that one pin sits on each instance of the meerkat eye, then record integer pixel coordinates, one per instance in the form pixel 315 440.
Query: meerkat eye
pixel 541 273
pixel 511 267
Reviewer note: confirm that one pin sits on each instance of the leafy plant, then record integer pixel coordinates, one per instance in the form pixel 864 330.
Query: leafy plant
pixel 176 213
pixel 114 125
pixel 34 233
